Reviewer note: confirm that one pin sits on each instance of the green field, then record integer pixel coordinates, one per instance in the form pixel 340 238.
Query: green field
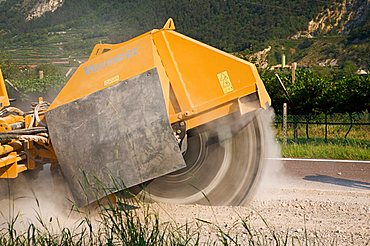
pixel 326 151
pixel 342 141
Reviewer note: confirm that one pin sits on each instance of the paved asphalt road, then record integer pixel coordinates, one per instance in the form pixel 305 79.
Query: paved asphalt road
pixel 355 174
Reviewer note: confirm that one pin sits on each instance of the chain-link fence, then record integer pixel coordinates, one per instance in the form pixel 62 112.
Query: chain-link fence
pixel 324 128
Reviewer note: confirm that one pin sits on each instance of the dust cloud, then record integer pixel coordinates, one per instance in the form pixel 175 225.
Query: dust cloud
pixel 37 195
pixel 35 198
pixel 272 173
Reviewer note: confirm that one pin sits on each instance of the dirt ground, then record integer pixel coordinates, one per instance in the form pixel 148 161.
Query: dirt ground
pixel 327 203
pixel 324 202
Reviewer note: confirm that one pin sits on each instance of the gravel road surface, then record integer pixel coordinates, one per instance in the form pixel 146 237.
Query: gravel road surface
pixel 326 202
pixel 330 200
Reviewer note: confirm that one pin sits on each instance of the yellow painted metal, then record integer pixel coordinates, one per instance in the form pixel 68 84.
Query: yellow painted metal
pixel 5 122
pixel 12 161
pixel 170 25
pixel 9 167
pixel 4 99
pixel 200 83
pixel 28 120
pixel 9 164
pixel 12 146
pixel 129 60
pixel 9 159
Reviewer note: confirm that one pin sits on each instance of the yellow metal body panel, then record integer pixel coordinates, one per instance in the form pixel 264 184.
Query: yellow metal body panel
pixel 5 122
pixel 4 99
pixel 200 83
pixel 129 60
pixel 7 148
pixel 9 167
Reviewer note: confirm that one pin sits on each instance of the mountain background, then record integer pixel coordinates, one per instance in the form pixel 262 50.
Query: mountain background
pixel 312 33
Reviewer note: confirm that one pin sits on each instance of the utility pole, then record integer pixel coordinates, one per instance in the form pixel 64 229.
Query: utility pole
pixel 294 67
pixel 285 122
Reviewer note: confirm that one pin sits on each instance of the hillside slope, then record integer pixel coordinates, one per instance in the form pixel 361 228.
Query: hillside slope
pixel 64 31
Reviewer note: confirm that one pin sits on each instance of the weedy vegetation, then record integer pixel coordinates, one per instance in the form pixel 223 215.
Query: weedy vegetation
pixel 134 223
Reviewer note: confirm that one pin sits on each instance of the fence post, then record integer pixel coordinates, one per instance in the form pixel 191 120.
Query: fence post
pixel 41 74
pixel 307 123
pixel 295 126
pixel 326 127
pixel 285 122
pixel 294 67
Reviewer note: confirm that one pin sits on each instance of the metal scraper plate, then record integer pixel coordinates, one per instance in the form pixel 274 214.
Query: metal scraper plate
pixel 115 138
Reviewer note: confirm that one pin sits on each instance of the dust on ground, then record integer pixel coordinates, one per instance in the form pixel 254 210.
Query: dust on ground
pixel 35 197
pixel 322 212
pixel 326 212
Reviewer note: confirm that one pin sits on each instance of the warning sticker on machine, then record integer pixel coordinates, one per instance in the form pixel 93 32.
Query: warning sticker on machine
pixel 225 82
pixel 111 81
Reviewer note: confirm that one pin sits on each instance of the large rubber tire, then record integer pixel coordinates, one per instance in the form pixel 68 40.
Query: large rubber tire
pixel 220 170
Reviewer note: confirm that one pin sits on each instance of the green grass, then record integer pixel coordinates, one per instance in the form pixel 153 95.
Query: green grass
pixel 355 147
pixel 326 151
pixel 340 148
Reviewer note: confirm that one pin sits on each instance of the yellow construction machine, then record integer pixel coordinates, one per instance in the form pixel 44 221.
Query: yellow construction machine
pixel 162 113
